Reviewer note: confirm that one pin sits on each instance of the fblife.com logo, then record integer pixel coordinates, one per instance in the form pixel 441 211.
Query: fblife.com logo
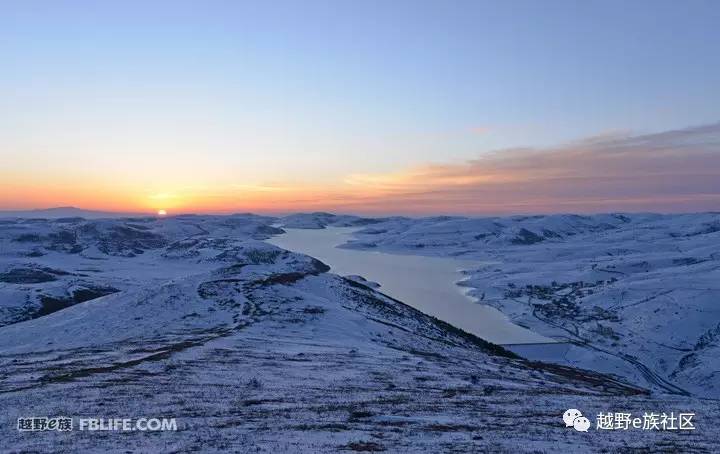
pixel 574 418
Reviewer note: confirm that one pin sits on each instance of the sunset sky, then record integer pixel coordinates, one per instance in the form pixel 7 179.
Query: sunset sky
pixel 407 107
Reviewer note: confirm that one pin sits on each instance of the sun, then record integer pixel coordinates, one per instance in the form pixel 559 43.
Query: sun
pixel 162 213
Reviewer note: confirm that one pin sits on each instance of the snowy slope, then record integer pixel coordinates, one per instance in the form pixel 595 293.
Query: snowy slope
pixel 637 294
pixel 50 264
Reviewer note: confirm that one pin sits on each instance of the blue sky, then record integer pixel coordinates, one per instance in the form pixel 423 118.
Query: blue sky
pixel 171 97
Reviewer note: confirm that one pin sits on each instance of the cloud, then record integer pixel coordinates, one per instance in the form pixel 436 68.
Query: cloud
pixel 671 171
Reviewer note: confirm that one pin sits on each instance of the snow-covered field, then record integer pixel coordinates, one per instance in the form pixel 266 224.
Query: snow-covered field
pixel 253 348
pixel 638 295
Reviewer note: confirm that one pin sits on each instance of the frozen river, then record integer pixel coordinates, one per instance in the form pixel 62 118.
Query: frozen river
pixel 428 284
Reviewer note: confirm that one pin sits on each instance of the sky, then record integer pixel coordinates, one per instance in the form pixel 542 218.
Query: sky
pixel 402 107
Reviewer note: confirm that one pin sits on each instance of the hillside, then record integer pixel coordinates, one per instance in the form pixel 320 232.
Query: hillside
pixel 636 294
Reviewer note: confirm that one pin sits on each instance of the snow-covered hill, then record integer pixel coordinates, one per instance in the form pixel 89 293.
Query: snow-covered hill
pixel 320 220
pixel 638 294
pixel 46 265
pixel 253 348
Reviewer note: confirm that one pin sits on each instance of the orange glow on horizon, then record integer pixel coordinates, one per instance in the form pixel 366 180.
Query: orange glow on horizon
pixel 590 177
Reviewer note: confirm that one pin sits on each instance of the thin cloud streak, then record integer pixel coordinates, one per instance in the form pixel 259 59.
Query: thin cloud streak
pixel 670 171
